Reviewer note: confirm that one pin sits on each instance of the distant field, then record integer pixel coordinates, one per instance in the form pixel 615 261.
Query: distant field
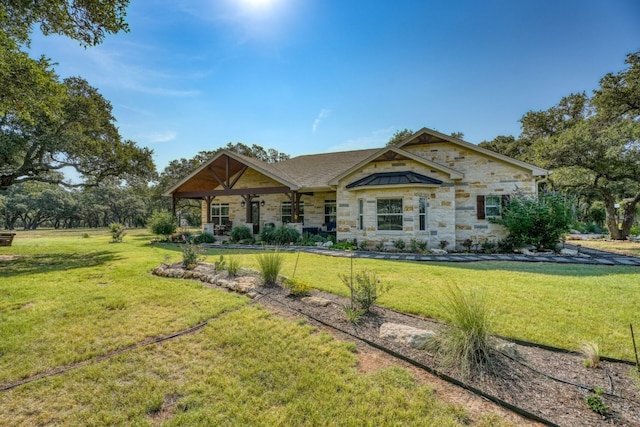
pixel 625 247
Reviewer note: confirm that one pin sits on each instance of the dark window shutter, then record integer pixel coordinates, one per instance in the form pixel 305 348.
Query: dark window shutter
pixel 480 207
pixel 506 198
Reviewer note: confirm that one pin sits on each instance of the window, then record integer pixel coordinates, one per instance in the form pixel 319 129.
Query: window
pixel 389 213
pixel 422 214
pixel 491 206
pixel 220 213
pixel 330 208
pixel 285 213
pixel 360 214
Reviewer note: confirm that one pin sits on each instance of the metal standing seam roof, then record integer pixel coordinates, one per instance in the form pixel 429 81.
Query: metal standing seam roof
pixel 394 178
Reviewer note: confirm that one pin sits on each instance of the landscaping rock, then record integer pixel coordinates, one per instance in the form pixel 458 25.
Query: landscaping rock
pixel 316 301
pixel 403 334
pixel 327 244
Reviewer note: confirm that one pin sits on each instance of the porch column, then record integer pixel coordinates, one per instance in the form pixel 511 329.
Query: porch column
pixel 209 200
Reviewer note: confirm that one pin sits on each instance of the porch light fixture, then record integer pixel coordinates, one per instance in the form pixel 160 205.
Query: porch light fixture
pixel 242 204
pixel 262 203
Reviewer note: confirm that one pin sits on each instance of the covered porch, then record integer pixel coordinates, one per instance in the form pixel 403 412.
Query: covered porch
pixel 237 190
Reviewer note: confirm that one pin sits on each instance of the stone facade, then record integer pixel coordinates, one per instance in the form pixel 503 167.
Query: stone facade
pixel 460 185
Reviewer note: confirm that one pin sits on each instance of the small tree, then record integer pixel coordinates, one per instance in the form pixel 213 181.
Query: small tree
pixel 540 222
pixel 162 224
pixel 117 232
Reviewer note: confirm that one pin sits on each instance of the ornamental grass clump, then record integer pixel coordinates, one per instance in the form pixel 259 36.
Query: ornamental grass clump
pixel 591 353
pixel 270 265
pixel 465 344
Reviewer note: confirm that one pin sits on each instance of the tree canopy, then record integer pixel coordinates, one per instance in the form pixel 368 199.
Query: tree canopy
pixel 591 143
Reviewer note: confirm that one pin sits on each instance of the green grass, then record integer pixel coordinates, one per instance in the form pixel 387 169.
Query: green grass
pixel 555 304
pixel 68 299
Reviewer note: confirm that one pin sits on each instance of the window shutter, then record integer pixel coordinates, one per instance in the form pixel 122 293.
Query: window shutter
pixel 480 207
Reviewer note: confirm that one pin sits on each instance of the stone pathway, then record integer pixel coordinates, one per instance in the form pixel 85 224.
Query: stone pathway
pixel 587 256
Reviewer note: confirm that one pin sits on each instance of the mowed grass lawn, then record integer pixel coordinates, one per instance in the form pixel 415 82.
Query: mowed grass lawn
pixel 68 299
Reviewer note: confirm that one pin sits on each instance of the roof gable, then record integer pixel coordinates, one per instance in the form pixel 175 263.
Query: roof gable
pixel 426 136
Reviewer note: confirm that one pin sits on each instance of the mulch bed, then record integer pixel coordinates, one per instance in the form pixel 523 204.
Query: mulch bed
pixel 524 382
pixel 552 385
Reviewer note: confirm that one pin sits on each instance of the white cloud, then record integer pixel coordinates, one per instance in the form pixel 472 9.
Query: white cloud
pixel 157 137
pixel 376 139
pixel 324 113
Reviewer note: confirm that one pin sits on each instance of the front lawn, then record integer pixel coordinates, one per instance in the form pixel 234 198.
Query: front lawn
pixel 66 299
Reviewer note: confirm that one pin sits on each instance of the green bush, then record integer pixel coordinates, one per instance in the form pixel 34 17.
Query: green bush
pixel 205 237
pixel 270 265
pixel 296 287
pixel 241 233
pixel 539 222
pixel 117 232
pixel 399 244
pixel 595 402
pixel 365 290
pixel 162 224
pixel 343 246
pixel 465 343
pixel 281 235
pixel 191 254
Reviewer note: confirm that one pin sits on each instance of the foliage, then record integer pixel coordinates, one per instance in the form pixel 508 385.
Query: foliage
pixel 205 237
pixel 488 247
pixel 591 353
pixel 117 232
pixel 296 287
pixel 443 244
pixel 507 245
pixel 353 314
pixel 233 267
pixel 162 224
pixel 270 265
pixel 466 244
pixel 365 291
pixel 343 246
pixel 220 263
pixel 281 235
pixel 399 244
pixel 76 130
pixel 465 343
pixel 192 253
pixel 240 233
pixel 595 402
pixel 362 245
pixel 399 136
pixel 311 239
pixel 540 222
pixel 379 246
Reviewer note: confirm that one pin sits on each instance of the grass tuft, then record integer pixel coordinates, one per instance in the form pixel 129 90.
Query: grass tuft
pixel 465 343
pixel 270 264
pixel 591 353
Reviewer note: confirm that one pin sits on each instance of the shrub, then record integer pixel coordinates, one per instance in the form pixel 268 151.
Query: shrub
pixel 488 247
pixel 240 233
pixel 233 267
pixel 399 244
pixel 595 402
pixel 205 237
pixel 363 246
pixel 162 224
pixel 365 291
pixel 465 343
pixel 467 245
pixel 296 287
pixel 344 246
pixel 281 235
pixel 270 265
pixel 443 244
pixel 380 246
pixel 352 314
pixel 507 245
pixel 117 232
pixel 540 222
pixel 85 235
pixel 191 254
pixel 591 353
pixel 220 264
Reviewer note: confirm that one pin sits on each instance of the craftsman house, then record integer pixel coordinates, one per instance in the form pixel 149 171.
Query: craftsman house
pixel 431 187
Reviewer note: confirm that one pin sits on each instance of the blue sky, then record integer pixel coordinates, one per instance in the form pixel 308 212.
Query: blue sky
pixel 310 76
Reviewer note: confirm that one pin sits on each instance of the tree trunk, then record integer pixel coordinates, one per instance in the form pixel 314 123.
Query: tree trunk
pixel 619 230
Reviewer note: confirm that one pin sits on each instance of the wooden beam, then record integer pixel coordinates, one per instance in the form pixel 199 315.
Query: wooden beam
pixel 215 175
pixel 231 192
pixel 239 175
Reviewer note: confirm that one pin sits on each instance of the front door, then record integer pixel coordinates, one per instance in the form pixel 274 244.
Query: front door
pixel 255 217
